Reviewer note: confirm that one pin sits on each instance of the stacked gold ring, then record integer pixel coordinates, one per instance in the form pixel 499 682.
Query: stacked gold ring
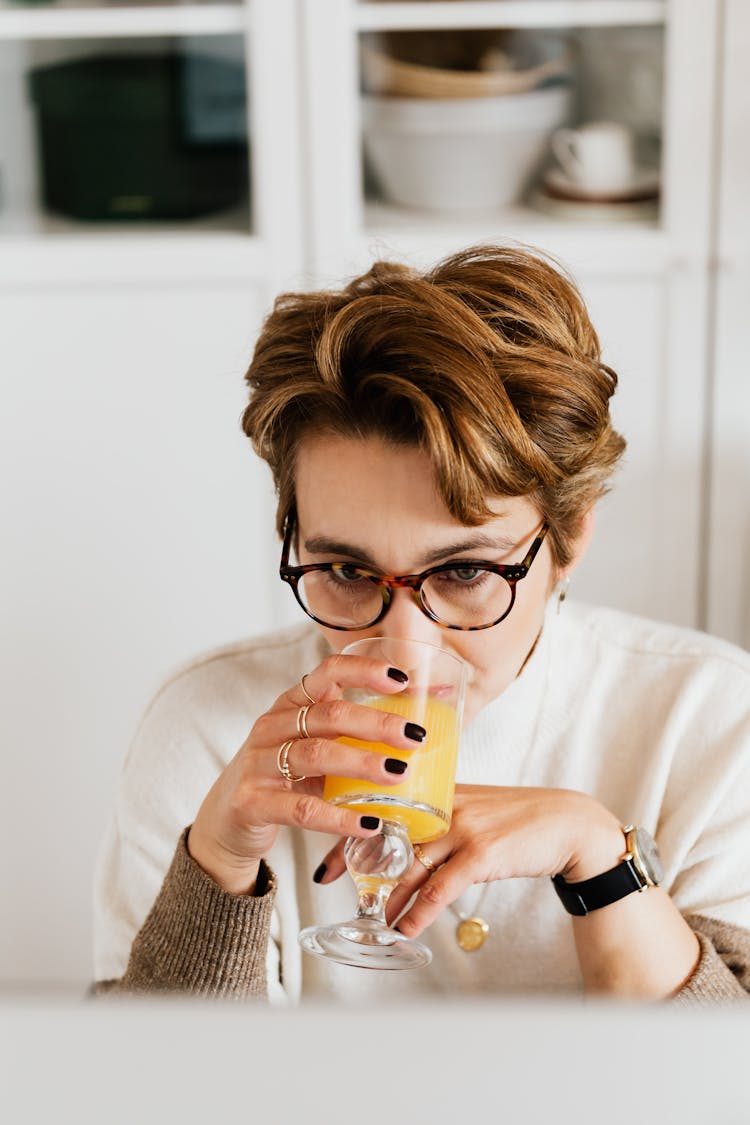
pixel 305 692
pixel 282 762
pixel 302 730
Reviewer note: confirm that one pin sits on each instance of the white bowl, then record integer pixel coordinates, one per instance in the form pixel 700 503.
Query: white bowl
pixel 460 154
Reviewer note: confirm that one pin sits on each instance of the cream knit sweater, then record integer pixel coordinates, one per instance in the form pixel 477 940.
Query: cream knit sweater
pixel 651 720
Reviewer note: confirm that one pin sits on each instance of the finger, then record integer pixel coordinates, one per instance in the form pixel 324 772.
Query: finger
pixel 339 718
pixel 337 672
pixel 435 894
pixel 415 878
pixel 319 757
pixel 332 865
pixel 304 810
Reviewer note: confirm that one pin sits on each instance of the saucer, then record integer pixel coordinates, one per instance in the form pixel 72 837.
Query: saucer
pixel 643 186
pixel 593 211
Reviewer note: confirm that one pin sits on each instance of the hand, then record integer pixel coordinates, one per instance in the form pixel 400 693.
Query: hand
pixel 239 819
pixel 503 833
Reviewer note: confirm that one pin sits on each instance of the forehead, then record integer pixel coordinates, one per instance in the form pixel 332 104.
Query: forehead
pixel 342 475
pixel 383 498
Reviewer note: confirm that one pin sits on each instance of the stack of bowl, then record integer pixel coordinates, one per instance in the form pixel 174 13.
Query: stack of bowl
pixel 441 138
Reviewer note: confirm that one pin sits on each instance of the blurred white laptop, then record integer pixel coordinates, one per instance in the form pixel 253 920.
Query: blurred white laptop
pixel 111 1061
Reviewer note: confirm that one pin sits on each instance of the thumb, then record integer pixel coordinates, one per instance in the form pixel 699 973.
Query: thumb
pixel 332 865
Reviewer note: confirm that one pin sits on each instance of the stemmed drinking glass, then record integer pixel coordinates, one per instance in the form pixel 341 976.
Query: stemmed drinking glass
pixel 413 811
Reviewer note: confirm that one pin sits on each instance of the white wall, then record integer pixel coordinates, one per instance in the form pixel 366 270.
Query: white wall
pixel 137 530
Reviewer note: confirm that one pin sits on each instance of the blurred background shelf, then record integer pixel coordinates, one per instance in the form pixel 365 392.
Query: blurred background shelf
pixel 76 21
pixel 507 13
pixel 624 249
pixel 59 253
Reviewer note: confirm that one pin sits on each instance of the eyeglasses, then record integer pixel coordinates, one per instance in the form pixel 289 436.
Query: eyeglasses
pixel 466 595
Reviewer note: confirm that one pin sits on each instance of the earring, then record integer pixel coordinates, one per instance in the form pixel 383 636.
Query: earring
pixel 562 590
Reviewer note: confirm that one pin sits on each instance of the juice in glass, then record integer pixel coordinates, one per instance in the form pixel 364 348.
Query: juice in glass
pixel 423 802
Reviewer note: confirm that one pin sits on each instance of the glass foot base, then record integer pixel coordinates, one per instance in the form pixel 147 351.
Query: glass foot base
pixel 364 944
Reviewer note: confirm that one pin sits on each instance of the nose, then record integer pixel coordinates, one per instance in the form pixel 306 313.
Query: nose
pixel 405 619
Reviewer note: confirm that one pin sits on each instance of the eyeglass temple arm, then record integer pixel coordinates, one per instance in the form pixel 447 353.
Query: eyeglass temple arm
pixel 289 523
pixel 516 573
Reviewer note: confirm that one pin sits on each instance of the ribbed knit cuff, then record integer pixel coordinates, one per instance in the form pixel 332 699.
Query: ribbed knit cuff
pixel 720 974
pixel 199 938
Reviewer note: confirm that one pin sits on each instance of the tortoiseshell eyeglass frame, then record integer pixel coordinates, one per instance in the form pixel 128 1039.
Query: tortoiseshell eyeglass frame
pixel 513 574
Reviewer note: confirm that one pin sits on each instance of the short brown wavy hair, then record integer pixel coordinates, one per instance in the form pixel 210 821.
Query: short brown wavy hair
pixel 488 362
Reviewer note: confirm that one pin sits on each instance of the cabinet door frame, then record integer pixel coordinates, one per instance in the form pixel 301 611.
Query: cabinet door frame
pixel 265 247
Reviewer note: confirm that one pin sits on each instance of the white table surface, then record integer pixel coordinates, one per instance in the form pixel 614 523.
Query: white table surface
pixel 105 1062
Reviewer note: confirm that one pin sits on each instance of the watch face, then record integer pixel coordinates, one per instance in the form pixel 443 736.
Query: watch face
pixel 646 856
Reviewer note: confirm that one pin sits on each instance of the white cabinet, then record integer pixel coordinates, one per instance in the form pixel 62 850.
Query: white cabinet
pixel 140 529
pixel 647 281
pixel 728 531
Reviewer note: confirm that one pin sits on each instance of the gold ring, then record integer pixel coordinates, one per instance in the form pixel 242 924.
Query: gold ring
pixel 282 762
pixel 424 859
pixel 302 730
pixel 305 692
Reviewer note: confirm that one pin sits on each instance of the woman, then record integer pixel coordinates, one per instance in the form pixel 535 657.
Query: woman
pixel 457 419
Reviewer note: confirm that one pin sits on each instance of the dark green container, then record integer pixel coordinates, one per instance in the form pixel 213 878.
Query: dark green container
pixel 141 136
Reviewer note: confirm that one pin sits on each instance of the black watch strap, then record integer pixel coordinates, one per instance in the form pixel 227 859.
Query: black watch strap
pixel 591 894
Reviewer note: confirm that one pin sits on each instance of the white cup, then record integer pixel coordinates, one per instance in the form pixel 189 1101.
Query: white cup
pixel 599 156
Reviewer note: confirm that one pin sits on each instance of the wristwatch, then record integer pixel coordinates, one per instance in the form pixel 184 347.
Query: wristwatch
pixel 639 869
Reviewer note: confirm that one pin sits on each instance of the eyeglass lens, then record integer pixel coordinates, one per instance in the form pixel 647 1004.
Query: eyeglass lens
pixel 464 597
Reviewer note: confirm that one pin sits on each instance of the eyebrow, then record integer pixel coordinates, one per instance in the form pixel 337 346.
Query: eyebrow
pixel 322 545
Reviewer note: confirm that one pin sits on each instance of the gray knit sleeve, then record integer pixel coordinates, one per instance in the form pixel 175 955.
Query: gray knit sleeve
pixel 723 970
pixel 199 939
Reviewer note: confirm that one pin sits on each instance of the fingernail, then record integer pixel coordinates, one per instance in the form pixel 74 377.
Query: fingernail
pixel 395 765
pixel 369 822
pixel 415 732
pixel 319 873
pixel 398 675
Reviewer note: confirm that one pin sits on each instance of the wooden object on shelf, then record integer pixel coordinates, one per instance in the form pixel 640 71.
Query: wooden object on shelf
pixel 385 74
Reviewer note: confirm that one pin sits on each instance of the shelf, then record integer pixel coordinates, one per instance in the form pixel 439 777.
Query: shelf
pixel 507 13
pixel 42 250
pixel 638 249
pixel 81 21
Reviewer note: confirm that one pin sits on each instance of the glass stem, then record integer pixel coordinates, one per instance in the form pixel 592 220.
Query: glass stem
pixel 372 899
pixel 376 863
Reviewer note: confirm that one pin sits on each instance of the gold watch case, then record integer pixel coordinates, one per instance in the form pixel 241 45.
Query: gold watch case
pixel 643 852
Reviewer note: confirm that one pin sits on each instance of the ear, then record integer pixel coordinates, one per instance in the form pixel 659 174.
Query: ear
pixel 580 545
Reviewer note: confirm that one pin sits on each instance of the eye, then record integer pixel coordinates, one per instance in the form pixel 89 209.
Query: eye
pixel 466 573
pixel 347 574
pixel 465 576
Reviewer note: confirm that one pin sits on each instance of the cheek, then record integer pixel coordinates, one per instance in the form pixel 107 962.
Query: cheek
pixel 338 639
pixel 487 655
pixel 494 664
pixel 497 654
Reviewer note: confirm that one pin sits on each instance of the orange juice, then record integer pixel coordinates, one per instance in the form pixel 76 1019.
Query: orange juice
pixel 423 802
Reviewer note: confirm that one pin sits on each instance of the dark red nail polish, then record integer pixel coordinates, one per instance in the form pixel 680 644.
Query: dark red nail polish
pixel 415 732
pixel 397 675
pixel 369 822
pixel 395 765
pixel 319 873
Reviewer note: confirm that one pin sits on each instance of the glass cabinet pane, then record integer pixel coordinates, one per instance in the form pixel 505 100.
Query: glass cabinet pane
pixel 560 121
pixel 124 131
